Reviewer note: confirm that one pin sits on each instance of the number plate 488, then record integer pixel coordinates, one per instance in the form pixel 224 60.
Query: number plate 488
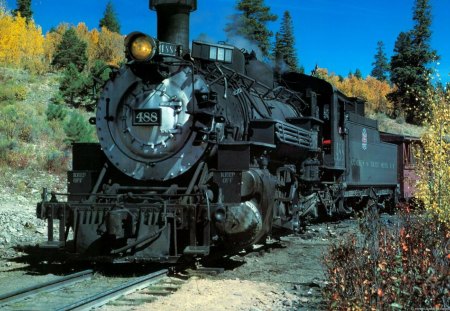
pixel 147 117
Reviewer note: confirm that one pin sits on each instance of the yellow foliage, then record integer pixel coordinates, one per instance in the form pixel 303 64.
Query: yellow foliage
pixel 104 45
pixel 370 89
pixel 110 47
pixel 21 43
pixel 433 168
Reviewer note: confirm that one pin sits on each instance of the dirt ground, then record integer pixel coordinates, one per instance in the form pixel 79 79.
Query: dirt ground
pixel 286 275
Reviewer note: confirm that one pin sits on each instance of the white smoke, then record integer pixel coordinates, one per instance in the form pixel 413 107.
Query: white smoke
pixel 236 39
pixel 246 44
pixel 205 38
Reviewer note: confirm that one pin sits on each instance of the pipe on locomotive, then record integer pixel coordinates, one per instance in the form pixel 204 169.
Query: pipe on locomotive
pixel 173 20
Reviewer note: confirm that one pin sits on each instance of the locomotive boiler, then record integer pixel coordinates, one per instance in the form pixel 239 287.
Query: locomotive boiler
pixel 202 150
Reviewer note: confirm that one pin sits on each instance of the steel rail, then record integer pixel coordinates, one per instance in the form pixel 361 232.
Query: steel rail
pixel 45 287
pixel 114 293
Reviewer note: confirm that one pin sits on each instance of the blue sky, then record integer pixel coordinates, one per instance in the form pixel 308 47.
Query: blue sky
pixel 338 35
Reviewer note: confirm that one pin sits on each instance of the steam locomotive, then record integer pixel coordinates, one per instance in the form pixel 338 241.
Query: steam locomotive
pixel 203 150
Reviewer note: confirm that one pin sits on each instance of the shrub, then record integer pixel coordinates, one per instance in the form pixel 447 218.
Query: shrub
pixel 18 122
pixel 16 154
pixel 56 161
pixel 6 146
pixel 77 129
pixel 56 112
pixel 402 264
pixel 11 92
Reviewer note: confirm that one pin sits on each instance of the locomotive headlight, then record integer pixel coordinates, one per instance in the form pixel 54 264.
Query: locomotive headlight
pixel 140 47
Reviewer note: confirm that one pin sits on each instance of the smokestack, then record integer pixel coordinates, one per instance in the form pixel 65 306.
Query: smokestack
pixel 173 20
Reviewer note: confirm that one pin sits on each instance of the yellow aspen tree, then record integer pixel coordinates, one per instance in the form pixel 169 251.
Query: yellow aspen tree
pixel 84 34
pixel 33 57
pixel 21 43
pixel 433 167
pixel 110 47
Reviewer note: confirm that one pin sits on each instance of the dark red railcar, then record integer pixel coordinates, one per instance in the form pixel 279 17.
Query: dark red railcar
pixel 406 162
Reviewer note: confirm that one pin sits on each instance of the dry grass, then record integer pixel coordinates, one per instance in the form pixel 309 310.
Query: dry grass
pixel 396 126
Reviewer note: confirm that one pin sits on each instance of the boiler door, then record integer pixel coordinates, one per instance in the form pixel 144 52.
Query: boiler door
pixel 145 130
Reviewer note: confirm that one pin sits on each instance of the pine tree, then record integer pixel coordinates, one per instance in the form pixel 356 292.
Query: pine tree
pixel 380 65
pixel 77 129
pixel 358 74
pixel 402 74
pixel 252 23
pixel 24 8
pixel 284 52
pixel 73 88
pixel 109 19
pixel 76 88
pixel 71 50
pixel 409 65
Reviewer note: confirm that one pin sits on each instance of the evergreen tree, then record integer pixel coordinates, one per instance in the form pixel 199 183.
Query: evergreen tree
pixel 251 24
pixel 71 50
pixel 380 65
pixel 402 74
pixel 77 89
pixel 74 87
pixel 284 44
pixel 78 129
pixel 277 54
pixel 24 8
pixel 358 74
pixel 409 65
pixel 109 19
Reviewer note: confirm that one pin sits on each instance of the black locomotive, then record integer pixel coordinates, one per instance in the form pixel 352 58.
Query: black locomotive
pixel 202 149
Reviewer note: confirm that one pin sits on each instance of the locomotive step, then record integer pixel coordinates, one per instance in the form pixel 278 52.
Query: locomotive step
pixel 52 244
pixel 196 250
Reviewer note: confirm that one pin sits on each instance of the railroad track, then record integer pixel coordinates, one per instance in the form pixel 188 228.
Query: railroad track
pixel 85 290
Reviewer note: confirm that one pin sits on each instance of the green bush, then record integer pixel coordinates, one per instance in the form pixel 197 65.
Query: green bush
pixel 56 161
pixel 56 112
pixel 78 129
pixel 11 92
pixel 19 121
pixel 16 154
pixel 6 146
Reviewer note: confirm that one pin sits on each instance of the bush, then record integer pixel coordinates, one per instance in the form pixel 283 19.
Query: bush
pixel 6 146
pixel 16 154
pixel 11 92
pixel 77 129
pixel 18 121
pixel 56 112
pixel 396 265
pixel 56 161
